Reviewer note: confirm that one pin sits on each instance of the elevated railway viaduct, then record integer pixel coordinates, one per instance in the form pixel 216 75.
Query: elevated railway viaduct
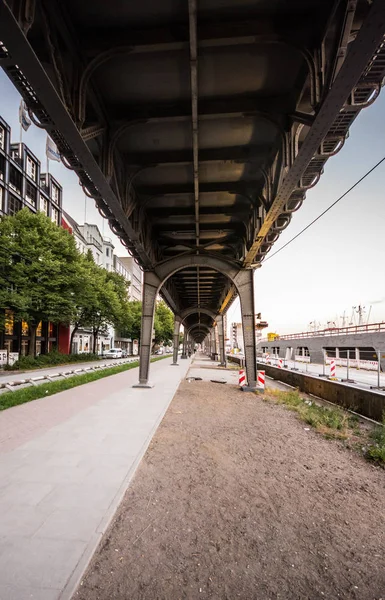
pixel 196 126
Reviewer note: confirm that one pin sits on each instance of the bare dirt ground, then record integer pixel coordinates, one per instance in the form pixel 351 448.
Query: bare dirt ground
pixel 235 499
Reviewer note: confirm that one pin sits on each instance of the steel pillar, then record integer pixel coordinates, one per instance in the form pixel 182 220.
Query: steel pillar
pixel 177 323
pixel 150 290
pixel 221 335
pixel 184 350
pixel 245 286
pixel 215 341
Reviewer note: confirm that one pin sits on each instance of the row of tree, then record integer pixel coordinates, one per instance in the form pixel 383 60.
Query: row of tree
pixel 43 277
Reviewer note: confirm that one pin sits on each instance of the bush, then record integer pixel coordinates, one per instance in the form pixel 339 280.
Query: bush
pixel 49 360
pixel 376 451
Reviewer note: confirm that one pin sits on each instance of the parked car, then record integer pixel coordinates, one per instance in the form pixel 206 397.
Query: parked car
pixel 113 353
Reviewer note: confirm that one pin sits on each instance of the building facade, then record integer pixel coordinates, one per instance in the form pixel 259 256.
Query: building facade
pixel 23 184
pixel 134 276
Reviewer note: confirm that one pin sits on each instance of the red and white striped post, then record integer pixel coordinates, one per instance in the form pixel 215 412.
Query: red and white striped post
pixel 242 377
pixel 332 369
pixel 261 380
pixel 280 363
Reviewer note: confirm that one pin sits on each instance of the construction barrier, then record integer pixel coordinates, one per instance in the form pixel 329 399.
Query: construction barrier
pixel 242 378
pixel 280 363
pixel 332 369
pixel 261 380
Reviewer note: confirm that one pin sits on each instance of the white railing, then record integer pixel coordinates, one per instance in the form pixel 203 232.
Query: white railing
pixel 331 331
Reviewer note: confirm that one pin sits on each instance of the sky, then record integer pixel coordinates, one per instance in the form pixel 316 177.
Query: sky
pixel 335 265
pixel 73 197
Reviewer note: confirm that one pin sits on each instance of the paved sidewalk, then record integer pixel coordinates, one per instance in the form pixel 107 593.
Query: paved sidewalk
pixel 65 463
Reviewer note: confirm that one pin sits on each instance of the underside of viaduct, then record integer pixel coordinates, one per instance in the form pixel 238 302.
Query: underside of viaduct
pixel 196 126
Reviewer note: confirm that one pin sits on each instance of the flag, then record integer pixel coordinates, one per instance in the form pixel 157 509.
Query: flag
pixel 51 151
pixel 24 119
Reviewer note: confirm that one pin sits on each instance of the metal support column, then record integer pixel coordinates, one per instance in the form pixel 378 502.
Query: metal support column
pixel 150 290
pixel 177 323
pixel 245 286
pixel 221 336
pixel 214 344
pixel 184 350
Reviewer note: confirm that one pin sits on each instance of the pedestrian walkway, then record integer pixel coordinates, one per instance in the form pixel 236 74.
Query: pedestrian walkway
pixel 65 463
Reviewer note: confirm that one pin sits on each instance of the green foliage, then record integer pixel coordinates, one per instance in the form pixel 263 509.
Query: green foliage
pixel 40 268
pixel 9 399
pixel 376 450
pixel 332 422
pixel 40 275
pixel 163 323
pixel 132 320
pixel 49 360
pixel 43 277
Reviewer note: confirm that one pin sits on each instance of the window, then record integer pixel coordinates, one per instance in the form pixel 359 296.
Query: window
pixel 2 138
pixel 31 168
pixel 15 179
pixel 14 205
pixel 15 153
pixel 107 252
pixel 9 322
pixel 55 193
pixel 44 205
pixel 55 215
pixel 2 166
pixel 1 199
pixel 39 329
pixel 24 328
pixel 30 193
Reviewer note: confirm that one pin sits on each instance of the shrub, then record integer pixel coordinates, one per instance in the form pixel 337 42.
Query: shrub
pixel 51 359
pixel 376 451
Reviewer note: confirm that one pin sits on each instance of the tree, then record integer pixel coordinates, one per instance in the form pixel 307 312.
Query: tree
pixel 40 275
pixel 163 323
pixel 104 307
pixel 85 296
pixel 133 320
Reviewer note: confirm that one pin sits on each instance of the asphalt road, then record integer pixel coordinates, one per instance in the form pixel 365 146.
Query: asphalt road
pixel 8 376
pixel 361 377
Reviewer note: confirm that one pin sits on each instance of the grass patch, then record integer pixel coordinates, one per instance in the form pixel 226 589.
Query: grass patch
pixel 9 399
pixel 334 423
pixel 331 422
pixel 376 449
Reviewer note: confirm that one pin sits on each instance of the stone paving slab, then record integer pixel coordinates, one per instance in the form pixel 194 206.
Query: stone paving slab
pixel 65 463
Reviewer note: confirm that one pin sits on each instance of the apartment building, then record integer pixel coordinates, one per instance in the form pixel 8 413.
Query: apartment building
pixel 23 184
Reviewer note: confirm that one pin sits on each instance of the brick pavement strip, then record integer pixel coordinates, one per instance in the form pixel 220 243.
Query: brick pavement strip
pixel 65 462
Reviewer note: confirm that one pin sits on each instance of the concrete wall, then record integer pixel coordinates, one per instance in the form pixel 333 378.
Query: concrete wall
pixel 365 402
pixel 316 344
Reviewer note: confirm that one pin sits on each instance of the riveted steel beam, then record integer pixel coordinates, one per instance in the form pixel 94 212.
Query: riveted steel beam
pixel 30 70
pixel 361 51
